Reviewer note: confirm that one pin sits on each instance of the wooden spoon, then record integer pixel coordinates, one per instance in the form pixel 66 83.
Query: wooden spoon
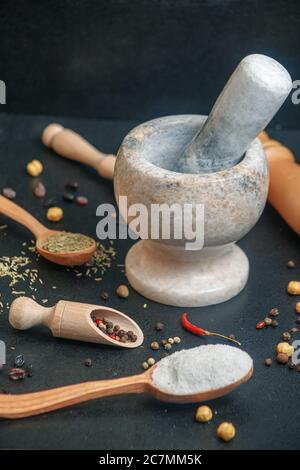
pixel 15 212
pixel 72 320
pixel 30 404
pixel 69 144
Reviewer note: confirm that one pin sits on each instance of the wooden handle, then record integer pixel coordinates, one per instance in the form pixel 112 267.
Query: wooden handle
pixel 69 144
pixel 30 404
pixel 15 212
pixel 24 313
pixel 284 190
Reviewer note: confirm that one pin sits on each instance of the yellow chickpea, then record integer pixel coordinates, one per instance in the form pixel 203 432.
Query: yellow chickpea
pixel 293 288
pixel 55 214
pixel 226 431
pixel 34 168
pixel 203 414
pixel 297 307
pixel 285 348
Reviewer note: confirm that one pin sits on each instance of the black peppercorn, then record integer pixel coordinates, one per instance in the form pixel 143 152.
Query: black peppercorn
pixel 19 360
pixel 104 296
pixel 274 312
pixel 159 326
pixel 88 362
pixel 286 336
pixel 275 323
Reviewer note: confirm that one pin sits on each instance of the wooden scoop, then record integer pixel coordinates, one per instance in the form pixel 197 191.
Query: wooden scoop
pixel 15 212
pixel 284 181
pixel 72 320
pixel 30 404
pixel 69 144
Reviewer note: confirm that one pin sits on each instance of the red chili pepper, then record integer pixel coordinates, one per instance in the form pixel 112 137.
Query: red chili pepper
pixel 187 325
pixel 98 322
pixel 196 330
pixel 260 325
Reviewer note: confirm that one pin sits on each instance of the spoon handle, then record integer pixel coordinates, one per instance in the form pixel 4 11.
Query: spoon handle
pixel 15 212
pixel 30 404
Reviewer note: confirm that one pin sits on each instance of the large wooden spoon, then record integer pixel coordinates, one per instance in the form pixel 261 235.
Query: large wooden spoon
pixel 74 258
pixel 30 404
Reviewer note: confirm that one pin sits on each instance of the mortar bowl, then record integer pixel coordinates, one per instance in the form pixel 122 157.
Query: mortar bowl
pixel 169 268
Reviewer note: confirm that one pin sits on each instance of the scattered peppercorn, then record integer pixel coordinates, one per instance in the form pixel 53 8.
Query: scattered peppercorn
pixel 29 370
pixel 274 312
pixel 291 365
pixel 164 341
pixel 16 373
pixel 293 288
pixel 226 431
pixel 268 361
pixel 168 346
pixel 9 193
pixel 159 326
pixel 154 345
pixel 275 323
pixel 291 264
pixel 67 196
pixel 39 190
pixel 19 360
pixel 268 321
pixel 151 361
pixel 55 214
pixel 82 201
pixel 203 414
pixel 294 330
pixel 171 341
pixel 88 362
pixel 177 340
pixel 104 296
pixel 286 336
pixel 122 291
pixel 34 168
pixel 145 365
pixel 282 358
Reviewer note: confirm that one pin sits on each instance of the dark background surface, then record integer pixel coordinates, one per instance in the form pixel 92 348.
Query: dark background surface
pixel 137 59
pixel 265 411
pixel 120 63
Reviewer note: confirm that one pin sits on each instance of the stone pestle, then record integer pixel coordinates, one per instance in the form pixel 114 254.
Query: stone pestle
pixel 252 96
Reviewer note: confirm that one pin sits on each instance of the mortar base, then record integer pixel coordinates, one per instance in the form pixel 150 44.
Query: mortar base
pixel 174 276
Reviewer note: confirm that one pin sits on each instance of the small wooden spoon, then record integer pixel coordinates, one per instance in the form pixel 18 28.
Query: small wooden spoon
pixel 69 144
pixel 72 320
pixel 15 212
pixel 30 404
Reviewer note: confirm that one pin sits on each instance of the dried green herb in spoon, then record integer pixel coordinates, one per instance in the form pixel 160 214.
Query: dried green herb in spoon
pixel 65 242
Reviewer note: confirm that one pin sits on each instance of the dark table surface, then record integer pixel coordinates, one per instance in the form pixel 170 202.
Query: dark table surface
pixel 265 411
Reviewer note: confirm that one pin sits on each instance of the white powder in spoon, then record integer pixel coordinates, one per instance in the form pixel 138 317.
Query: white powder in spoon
pixel 201 369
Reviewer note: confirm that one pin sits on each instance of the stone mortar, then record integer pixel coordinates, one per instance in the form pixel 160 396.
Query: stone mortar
pixel 147 173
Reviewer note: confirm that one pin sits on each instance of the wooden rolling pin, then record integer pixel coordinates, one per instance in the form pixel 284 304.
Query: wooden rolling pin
pixel 284 181
pixel 69 144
